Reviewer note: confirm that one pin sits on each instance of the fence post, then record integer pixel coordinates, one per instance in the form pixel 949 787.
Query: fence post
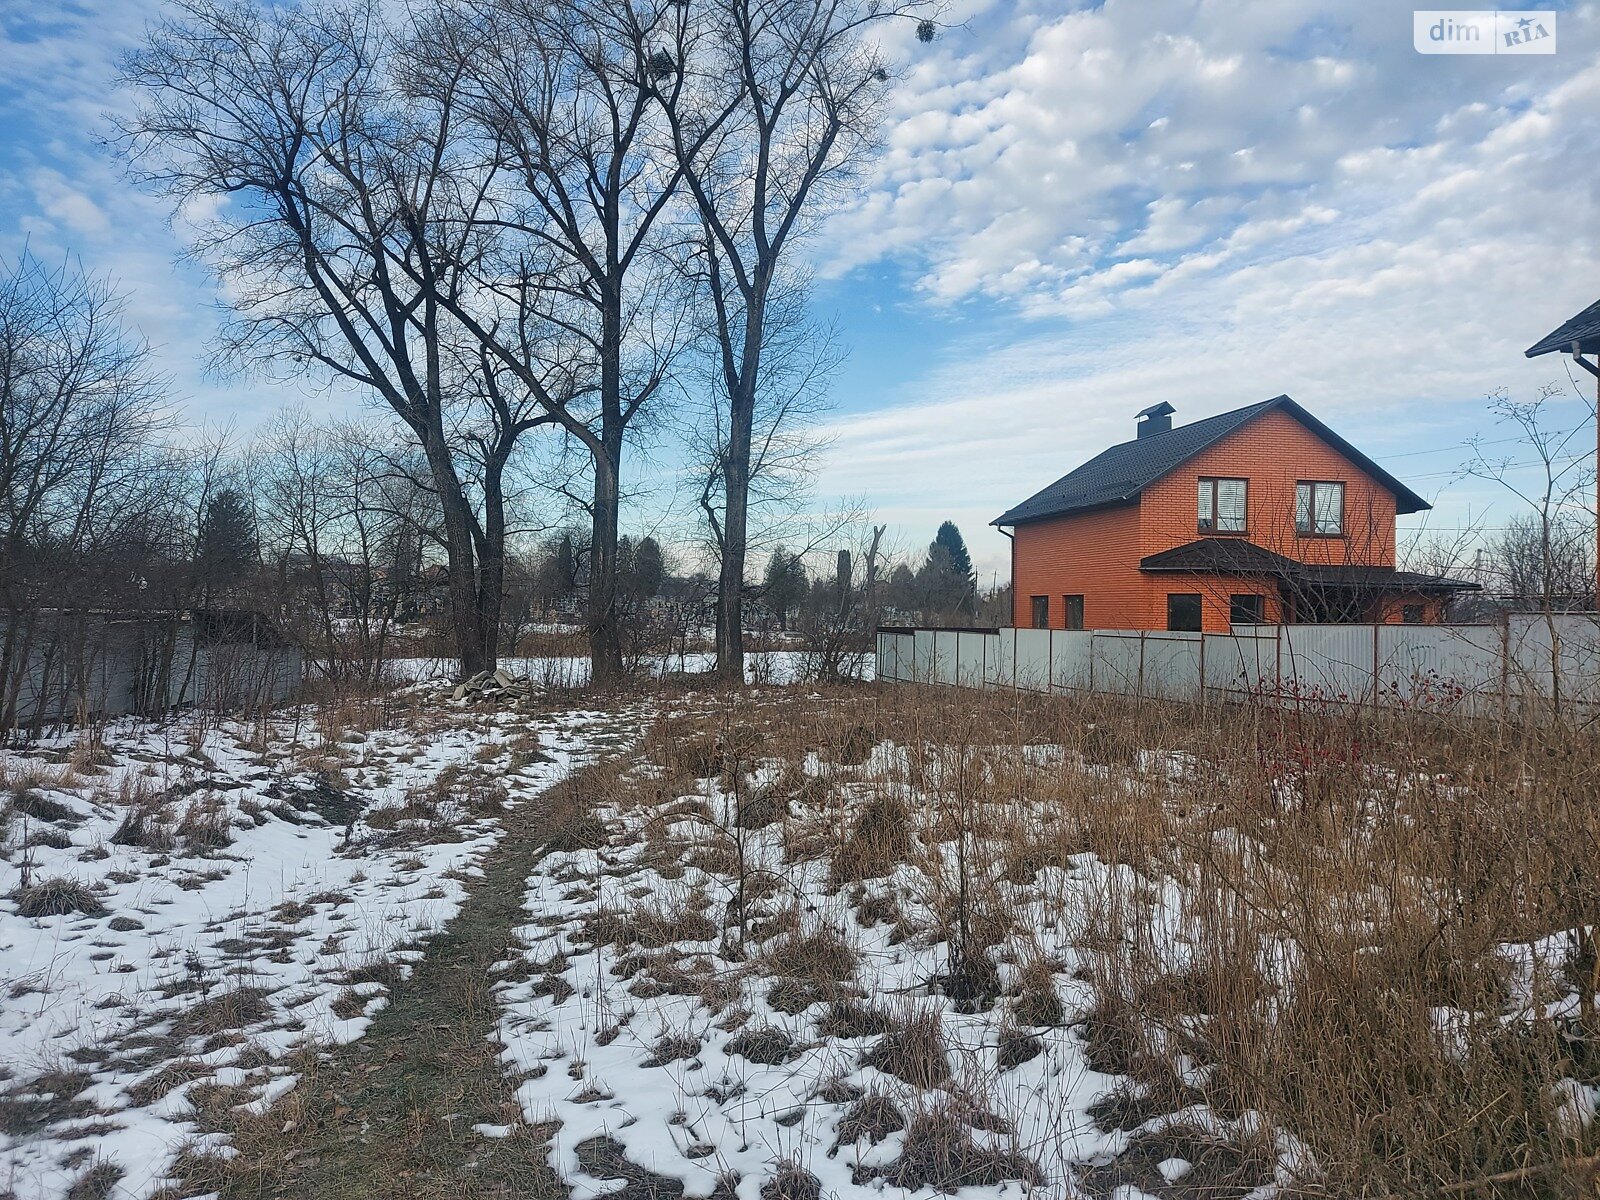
pixel 1050 662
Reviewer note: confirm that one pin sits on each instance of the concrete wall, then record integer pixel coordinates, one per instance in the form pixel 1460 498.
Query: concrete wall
pixel 100 667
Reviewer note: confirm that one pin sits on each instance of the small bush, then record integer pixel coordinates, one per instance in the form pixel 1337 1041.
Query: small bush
pixel 877 841
pixel 792 1182
pixel 33 803
pixel 874 1117
pixel 940 1153
pixel 57 898
pixel 914 1052
pixel 765 1044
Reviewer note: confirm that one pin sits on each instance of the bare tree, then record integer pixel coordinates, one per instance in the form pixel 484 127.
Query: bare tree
pixel 559 95
pixel 87 511
pixel 342 229
pixel 771 104
pixel 1541 561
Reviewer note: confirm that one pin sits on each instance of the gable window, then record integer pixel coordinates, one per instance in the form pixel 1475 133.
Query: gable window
pixel 1041 612
pixel 1073 606
pixel 1319 509
pixel 1247 609
pixel 1222 506
pixel 1183 612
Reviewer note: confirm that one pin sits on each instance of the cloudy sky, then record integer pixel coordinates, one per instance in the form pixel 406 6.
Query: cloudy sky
pixel 1081 209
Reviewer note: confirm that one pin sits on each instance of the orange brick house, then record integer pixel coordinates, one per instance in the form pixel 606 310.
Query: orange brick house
pixel 1260 515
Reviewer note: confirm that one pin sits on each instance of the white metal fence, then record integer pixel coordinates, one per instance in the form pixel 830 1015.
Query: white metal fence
pixel 1473 668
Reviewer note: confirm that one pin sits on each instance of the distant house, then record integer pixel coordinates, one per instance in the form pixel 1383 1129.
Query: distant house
pixel 1260 515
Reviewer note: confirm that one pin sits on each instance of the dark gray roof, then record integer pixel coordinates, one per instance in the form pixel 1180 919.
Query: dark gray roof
pixel 1583 329
pixel 1119 475
pixel 1236 556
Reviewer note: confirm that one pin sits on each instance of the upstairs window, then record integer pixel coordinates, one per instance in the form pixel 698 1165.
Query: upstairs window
pixel 1319 509
pixel 1222 506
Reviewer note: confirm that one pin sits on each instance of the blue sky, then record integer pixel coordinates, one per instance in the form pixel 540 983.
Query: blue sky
pixel 1079 210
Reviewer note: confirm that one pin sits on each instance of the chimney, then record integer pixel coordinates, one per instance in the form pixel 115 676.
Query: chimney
pixel 1156 419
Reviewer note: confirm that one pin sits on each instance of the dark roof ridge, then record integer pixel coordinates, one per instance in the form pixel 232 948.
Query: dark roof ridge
pixel 1120 473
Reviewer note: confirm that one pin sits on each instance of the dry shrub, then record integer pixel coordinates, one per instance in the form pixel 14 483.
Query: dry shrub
pixel 819 955
pixel 651 928
pixel 205 825
pixel 873 1117
pixel 878 840
pixel 940 1152
pixel 1350 881
pixel 914 1051
pixel 57 897
pixel 790 1181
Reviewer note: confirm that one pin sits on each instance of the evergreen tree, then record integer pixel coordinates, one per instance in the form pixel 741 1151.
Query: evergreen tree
pixel 226 550
pixel 956 547
pixel 649 568
pixel 784 584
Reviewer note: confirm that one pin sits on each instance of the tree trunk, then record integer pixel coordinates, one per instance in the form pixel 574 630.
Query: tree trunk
pixel 460 560
pixel 605 640
pixel 492 561
pixel 736 518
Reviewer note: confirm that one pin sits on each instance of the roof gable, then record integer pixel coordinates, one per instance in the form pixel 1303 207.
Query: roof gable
pixel 1582 330
pixel 1120 474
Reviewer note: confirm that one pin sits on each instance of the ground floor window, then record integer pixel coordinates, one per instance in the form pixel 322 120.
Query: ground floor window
pixel 1073 608
pixel 1041 612
pixel 1411 614
pixel 1246 609
pixel 1183 612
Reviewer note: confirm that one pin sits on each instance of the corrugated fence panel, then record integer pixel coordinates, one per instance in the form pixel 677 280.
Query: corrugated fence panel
pixel 999 669
pixel 1327 662
pixel 1070 651
pixel 1033 659
pixel 1580 658
pixel 1172 666
pixel 971 653
pixel 1115 659
pixel 1242 663
pixel 1439 666
pixel 1540 645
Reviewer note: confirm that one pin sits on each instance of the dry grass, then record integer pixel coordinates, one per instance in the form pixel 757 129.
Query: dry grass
pixel 57 897
pixel 1351 926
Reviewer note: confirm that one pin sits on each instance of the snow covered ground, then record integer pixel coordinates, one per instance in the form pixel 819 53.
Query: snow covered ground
pixel 181 903
pixel 828 1047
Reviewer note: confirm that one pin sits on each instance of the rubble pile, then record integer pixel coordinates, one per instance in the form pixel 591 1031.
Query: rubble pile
pixel 494 685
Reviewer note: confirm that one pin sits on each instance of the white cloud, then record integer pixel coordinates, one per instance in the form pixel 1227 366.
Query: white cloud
pixel 1182 212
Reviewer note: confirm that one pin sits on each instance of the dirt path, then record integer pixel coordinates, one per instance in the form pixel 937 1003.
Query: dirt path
pixel 392 1114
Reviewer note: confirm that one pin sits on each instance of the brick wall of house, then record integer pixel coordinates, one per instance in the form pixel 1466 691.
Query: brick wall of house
pixel 1274 452
pixel 1094 555
pixel 1097 554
